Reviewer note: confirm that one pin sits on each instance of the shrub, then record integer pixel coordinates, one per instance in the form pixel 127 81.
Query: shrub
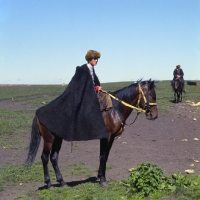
pixel 147 178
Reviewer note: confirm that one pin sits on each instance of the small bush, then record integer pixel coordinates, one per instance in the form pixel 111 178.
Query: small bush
pixel 145 179
pixel 148 178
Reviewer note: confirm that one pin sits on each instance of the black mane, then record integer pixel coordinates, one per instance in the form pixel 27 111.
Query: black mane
pixel 127 94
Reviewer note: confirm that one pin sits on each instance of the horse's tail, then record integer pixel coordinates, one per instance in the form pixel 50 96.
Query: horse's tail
pixel 34 143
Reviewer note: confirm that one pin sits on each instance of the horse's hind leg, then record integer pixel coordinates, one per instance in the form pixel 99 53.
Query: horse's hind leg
pixel 175 97
pixel 48 142
pixel 54 160
pixel 45 160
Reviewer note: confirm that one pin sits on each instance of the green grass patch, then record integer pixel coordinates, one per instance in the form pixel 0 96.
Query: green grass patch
pixel 146 176
pixel 77 169
pixel 27 92
pixel 12 120
pixel 15 122
pixel 17 174
pixel 11 175
pixel 115 191
pixel 86 191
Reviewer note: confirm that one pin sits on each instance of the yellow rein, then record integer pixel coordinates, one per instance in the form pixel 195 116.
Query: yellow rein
pixel 130 106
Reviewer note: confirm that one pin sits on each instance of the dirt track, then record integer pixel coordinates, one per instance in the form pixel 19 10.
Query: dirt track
pixel 168 142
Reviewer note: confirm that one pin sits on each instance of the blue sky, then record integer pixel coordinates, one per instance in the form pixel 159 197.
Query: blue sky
pixel 42 41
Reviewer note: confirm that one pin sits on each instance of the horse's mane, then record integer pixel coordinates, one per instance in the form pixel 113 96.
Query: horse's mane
pixel 126 94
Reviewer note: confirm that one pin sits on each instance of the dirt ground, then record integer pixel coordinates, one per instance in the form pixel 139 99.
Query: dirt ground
pixel 172 142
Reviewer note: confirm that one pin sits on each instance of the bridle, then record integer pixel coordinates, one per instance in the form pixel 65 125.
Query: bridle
pixel 146 107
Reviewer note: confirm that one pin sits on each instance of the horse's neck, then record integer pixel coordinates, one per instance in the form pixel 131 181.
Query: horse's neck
pixel 126 111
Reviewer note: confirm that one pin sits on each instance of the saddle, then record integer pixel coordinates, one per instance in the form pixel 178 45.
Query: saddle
pixel 105 101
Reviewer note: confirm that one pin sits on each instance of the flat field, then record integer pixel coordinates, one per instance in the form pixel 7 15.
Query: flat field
pixel 172 141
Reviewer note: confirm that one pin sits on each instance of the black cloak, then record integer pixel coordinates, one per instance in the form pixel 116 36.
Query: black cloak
pixel 75 115
pixel 178 72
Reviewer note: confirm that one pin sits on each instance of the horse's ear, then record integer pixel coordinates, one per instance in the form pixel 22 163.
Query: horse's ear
pixel 151 83
pixel 139 80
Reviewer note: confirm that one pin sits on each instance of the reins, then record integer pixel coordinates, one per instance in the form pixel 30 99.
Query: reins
pixel 139 110
pixel 124 103
pixel 129 105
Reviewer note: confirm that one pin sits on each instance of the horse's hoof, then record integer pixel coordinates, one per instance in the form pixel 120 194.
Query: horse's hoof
pixel 103 182
pixel 64 185
pixel 50 187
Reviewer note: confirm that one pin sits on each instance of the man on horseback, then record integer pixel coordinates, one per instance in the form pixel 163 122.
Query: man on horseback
pixel 104 99
pixel 178 74
pixel 92 59
pixel 75 115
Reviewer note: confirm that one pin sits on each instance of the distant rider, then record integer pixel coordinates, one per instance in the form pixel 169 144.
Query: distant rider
pixel 178 74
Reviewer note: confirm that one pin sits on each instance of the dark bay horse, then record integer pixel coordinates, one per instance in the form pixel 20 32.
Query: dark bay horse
pixel 140 96
pixel 178 90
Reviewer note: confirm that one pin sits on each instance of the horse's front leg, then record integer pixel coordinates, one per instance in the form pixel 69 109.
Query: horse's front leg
pixel 54 160
pixel 174 96
pixel 105 146
pixel 181 96
pixel 178 98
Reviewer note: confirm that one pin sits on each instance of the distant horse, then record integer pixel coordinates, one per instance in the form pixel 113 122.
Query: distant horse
pixel 140 96
pixel 178 89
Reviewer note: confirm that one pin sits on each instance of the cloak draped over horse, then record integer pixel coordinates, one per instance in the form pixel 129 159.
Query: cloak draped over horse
pixel 140 96
pixel 75 115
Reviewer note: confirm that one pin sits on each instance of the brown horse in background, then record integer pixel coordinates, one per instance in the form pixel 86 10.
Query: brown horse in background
pixel 178 90
pixel 140 96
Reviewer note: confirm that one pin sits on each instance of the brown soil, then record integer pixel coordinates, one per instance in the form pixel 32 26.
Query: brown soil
pixel 168 142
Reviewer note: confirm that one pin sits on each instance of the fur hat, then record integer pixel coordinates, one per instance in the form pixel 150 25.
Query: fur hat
pixel 92 54
pixel 178 66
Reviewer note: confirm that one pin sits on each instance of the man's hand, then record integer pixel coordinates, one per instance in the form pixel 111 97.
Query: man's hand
pixel 97 88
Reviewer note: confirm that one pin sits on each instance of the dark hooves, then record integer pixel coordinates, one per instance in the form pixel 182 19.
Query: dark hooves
pixel 63 184
pixel 103 182
pixel 50 187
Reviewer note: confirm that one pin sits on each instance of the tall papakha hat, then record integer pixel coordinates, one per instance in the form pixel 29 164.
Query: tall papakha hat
pixel 92 54
pixel 178 66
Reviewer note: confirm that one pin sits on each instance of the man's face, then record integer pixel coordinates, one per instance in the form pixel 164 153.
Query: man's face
pixel 93 62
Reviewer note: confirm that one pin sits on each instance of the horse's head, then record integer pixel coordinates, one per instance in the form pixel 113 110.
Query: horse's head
pixel 147 99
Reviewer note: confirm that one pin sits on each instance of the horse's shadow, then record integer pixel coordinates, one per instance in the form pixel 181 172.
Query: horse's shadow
pixel 73 183
pixel 174 101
